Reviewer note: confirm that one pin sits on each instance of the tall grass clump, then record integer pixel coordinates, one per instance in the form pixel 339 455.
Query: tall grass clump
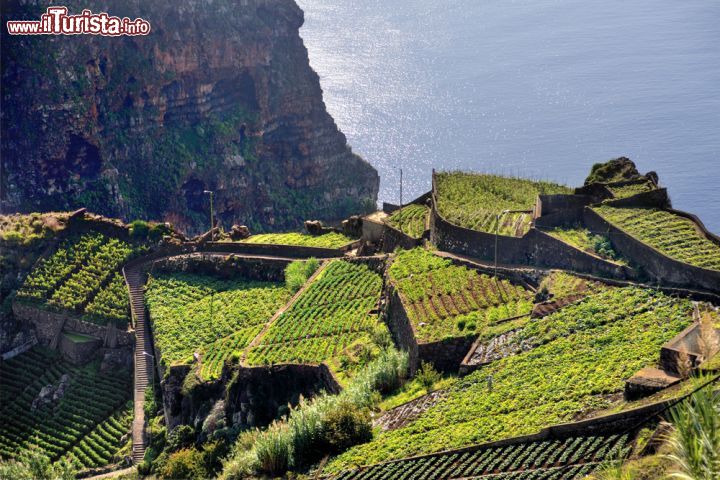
pixel 695 439
pixel 273 449
pixel 297 273
pixel 327 424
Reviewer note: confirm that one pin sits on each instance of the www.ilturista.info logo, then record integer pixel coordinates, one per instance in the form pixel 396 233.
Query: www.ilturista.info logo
pixel 57 22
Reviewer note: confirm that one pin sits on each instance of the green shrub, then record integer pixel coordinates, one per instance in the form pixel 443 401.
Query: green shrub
pixel 344 426
pixel 139 229
pixel 151 403
pixel 181 436
pixel 185 464
pixel 157 231
pixel 37 466
pixel 382 338
pixel 427 375
pixel 297 273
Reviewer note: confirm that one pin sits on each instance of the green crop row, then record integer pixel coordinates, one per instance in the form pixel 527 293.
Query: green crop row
pixel 410 219
pixel 327 240
pixel 79 288
pixel 49 273
pixel 675 236
pixel 518 461
pixel 82 276
pixel 579 357
pixel 193 313
pixel 476 201
pixel 111 304
pixel 100 446
pixel 215 354
pixel 334 311
pixel 444 300
pixel 89 399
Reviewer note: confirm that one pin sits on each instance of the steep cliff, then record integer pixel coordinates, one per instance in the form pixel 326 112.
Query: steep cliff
pixel 220 96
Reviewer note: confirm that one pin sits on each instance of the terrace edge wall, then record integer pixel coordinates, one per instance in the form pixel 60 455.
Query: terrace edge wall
pixel 393 238
pixel 204 263
pixel 663 269
pixel 657 198
pixel 535 249
pixel 272 250
pixel 48 325
pixel 401 328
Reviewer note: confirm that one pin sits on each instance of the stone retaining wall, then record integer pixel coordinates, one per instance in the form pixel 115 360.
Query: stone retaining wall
pixel 48 325
pixel 257 395
pixel 292 251
pixel 653 199
pixel 447 354
pixel 661 268
pixel 264 269
pixel 393 238
pixel 400 327
pixel 78 353
pixel 535 248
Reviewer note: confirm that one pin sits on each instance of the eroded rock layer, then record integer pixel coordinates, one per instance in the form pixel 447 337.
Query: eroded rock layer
pixel 220 96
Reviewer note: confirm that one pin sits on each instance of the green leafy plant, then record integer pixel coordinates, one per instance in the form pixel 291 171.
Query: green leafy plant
pixel 571 362
pixel 198 313
pixel 695 439
pixel 84 427
pixel 427 375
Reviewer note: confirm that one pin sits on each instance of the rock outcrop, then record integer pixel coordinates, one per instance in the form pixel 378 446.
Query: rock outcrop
pixel 615 170
pixel 219 96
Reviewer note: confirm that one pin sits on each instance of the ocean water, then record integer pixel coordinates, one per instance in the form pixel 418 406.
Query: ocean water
pixel 542 88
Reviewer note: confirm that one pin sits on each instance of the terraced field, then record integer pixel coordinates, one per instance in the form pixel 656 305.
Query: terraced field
pixel 444 300
pixel 82 277
pixel 632 189
pixel 586 241
pixel 89 417
pixel 335 311
pixel 196 313
pixel 327 240
pixel 578 357
pixel 100 446
pixel 673 235
pixel 410 219
pixel 481 202
pixel 561 459
pixel 561 285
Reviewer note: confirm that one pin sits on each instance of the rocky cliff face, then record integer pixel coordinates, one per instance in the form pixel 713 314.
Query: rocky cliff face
pixel 220 96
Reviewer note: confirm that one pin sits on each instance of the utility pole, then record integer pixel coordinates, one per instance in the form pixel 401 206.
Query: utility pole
pixel 401 199
pixel 497 233
pixel 212 218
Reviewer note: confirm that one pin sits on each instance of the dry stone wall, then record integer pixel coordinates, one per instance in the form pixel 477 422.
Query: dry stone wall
pixel 659 268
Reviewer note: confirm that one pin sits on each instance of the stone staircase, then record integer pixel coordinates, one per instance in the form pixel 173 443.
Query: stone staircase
pixel 135 279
